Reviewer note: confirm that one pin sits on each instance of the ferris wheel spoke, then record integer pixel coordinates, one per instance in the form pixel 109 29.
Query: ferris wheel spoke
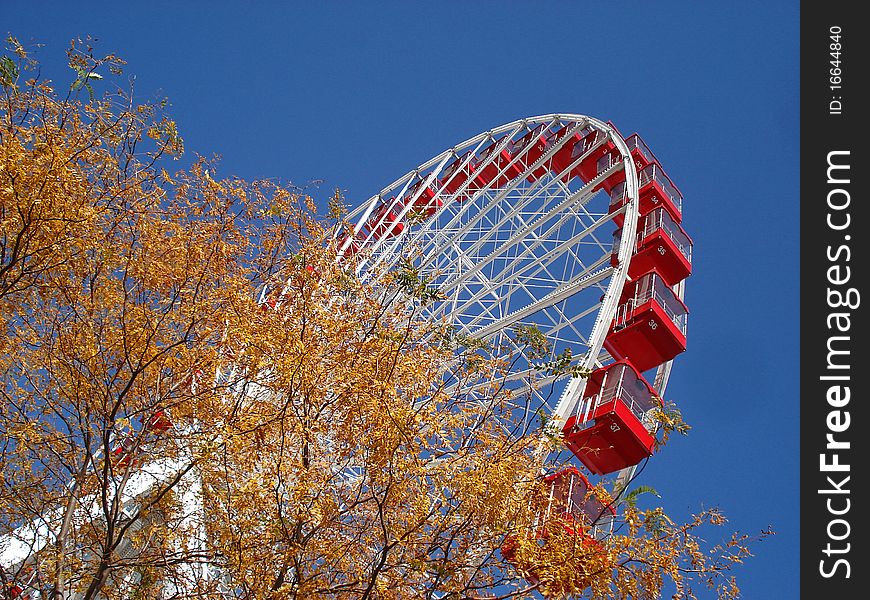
pixel 516 280
pixel 528 251
pixel 485 235
pixel 566 291
pixel 571 324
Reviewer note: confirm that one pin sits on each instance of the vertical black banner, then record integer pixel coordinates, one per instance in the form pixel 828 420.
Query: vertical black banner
pixel 834 301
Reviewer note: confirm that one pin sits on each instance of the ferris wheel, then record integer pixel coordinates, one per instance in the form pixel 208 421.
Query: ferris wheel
pixel 556 223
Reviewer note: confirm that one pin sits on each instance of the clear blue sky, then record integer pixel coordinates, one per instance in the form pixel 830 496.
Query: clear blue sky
pixel 356 95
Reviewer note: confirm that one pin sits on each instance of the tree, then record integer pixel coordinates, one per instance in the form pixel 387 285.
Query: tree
pixel 199 401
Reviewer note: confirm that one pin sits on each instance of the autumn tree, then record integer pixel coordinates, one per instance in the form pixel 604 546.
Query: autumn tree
pixel 201 401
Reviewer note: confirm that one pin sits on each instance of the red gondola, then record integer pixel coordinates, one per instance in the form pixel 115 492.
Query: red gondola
pixel 662 246
pixel 650 324
pixel 563 157
pixel 640 152
pixel 123 452
pixel 612 428
pixel 352 248
pixel 567 498
pixel 528 150
pixel 499 169
pixel 457 173
pixel 160 421
pixel 596 148
pixel 655 190
pixel 385 221
pixel 426 203
pixel 608 161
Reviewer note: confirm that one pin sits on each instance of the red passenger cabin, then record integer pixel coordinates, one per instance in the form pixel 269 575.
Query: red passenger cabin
pixel 567 497
pixel 160 421
pixel 640 152
pixel 457 173
pixel 650 324
pixel 353 246
pixel 597 149
pixel 662 245
pixel 123 452
pixel 655 190
pixel 612 428
pixel 608 161
pixel 562 158
pixel 426 203
pixel 385 221
pixel 499 169
pixel 528 150
pixel 26 587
